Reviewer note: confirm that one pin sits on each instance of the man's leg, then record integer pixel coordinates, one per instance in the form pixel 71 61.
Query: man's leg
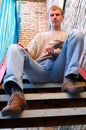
pixel 18 61
pixel 67 62
pixel 13 80
pixel 74 51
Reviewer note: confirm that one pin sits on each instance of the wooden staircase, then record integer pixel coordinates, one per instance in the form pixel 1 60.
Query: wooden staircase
pixel 47 106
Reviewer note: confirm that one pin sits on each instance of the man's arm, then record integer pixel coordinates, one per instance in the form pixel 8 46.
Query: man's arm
pixel 50 50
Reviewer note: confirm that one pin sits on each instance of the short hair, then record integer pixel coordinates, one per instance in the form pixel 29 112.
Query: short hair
pixel 54 7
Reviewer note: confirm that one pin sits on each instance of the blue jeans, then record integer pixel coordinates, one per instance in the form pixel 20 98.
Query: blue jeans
pixel 20 62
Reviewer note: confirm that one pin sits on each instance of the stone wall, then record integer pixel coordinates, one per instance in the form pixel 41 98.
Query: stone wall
pixel 75 15
pixel 54 2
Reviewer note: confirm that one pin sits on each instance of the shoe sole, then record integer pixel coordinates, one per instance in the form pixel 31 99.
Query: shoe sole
pixel 14 112
pixel 74 91
pixel 24 106
pixel 11 112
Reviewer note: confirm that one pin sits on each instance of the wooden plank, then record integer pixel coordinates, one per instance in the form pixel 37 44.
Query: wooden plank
pixel 51 112
pixel 45 117
pixel 45 87
pixel 47 108
pixel 50 100
pixel 47 96
pixel 49 85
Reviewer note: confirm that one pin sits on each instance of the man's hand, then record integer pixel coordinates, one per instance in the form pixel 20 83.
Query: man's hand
pixel 49 49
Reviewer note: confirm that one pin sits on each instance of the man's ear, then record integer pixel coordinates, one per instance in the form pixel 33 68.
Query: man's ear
pixel 62 17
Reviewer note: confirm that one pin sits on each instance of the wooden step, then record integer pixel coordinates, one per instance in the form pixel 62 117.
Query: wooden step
pixel 45 117
pixel 47 106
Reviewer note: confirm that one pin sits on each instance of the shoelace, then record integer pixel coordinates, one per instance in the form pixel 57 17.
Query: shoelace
pixel 12 98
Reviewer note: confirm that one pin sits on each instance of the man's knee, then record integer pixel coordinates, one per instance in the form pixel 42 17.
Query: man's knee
pixel 77 33
pixel 13 48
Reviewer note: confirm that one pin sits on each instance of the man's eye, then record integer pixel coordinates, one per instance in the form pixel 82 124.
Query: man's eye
pixel 57 14
pixel 52 15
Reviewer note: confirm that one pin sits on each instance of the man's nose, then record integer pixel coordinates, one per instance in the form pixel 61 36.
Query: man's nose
pixel 54 16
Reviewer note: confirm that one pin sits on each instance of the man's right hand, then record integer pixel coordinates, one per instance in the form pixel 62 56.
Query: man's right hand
pixel 49 49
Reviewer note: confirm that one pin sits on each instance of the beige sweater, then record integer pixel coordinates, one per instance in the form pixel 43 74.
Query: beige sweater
pixel 36 47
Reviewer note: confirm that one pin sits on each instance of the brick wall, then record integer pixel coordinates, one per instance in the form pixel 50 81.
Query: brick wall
pixel 33 19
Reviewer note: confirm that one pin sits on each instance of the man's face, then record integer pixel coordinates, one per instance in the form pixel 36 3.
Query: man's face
pixel 55 17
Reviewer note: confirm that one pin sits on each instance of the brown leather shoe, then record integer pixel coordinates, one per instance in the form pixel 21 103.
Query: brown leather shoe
pixel 71 87
pixel 15 105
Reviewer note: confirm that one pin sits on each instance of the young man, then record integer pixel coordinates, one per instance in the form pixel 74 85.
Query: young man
pixel 45 59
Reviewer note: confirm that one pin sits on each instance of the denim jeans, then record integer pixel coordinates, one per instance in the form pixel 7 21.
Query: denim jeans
pixel 20 62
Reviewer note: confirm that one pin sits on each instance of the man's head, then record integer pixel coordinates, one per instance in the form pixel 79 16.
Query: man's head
pixel 56 16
